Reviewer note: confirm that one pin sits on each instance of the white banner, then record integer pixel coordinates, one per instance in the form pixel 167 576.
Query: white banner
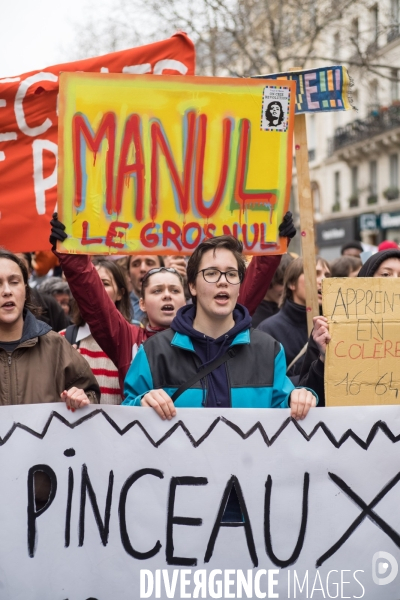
pixel 137 504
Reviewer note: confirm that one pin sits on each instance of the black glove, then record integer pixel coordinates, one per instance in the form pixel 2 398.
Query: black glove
pixel 57 231
pixel 287 228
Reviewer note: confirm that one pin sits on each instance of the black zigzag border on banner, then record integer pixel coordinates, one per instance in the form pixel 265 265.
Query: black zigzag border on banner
pixel 337 443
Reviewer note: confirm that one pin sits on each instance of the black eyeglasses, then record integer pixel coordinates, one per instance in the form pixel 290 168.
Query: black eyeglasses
pixel 158 270
pixel 212 275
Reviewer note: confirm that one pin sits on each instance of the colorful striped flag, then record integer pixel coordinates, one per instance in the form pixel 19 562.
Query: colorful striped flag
pixel 319 90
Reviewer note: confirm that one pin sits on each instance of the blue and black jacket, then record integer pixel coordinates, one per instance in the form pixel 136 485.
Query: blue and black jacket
pixel 254 378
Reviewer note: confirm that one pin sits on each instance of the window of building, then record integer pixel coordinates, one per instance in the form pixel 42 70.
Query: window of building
pixel 373 106
pixel 373 182
pixel 374 91
pixel 394 170
pixel 393 30
pixel 316 197
pixel 392 192
pixel 394 14
pixel 353 202
pixel 336 206
pixel 394 84
pixel 336 45
pixel 299 30
pixel 374 13
pixel 355 30
pixel 394 11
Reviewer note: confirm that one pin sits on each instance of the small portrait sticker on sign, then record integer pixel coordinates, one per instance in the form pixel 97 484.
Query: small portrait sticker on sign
pixel 275 107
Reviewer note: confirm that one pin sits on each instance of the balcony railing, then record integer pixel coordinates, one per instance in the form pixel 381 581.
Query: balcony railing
pixel 391 193
pixel 377 122
pixel 353 201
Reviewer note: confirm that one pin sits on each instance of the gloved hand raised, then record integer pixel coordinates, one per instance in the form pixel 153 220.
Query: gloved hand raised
pixel 57 231
pixel 287 228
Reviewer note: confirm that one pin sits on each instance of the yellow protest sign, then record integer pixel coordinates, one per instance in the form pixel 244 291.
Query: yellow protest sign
pixel 156 164
pixel 363 357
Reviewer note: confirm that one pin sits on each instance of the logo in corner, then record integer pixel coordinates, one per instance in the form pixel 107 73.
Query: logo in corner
pixel 384 568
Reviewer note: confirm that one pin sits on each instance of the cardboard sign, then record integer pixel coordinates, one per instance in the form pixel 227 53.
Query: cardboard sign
pixel 156 165
pixel 28 134
pixel 137 504
pixel 319 90
pixel 363 357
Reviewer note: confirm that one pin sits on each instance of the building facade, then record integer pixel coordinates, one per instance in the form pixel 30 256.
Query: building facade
pixel 354 155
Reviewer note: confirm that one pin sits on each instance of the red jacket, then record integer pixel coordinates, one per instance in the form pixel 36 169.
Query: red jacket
pixel 120 339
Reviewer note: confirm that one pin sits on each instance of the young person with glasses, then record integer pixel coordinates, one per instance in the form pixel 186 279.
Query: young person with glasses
pixel 213 328
pixel 161 296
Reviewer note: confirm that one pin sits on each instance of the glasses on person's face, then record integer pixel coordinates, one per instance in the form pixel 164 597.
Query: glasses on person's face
pixel 212 275
pixel 158 270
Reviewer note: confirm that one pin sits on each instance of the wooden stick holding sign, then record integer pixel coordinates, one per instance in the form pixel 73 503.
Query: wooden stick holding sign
pixel 306 209
pixel 317 90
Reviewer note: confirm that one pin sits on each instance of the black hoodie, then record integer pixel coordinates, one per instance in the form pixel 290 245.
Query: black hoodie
pixel 208 349
pixel 374 262
pixel 289 327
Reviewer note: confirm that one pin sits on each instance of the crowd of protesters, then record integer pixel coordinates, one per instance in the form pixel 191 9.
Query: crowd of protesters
pixel 167 331
pixel 216 330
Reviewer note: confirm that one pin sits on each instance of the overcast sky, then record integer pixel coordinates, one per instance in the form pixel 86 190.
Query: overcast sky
pixel 37 33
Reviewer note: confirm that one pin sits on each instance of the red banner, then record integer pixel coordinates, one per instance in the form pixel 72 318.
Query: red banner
pixel 28 134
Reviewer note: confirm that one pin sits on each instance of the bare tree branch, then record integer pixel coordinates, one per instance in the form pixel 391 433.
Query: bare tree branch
pixel 242 37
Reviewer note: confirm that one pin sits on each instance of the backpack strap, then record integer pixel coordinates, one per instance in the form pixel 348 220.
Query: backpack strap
pixel 204 372
pixel 296 358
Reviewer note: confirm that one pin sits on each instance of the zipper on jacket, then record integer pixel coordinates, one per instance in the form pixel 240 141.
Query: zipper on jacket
pixel 229 384
pixel 205 387
pixel 227 375
pixel 204 390
pixel 11 396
